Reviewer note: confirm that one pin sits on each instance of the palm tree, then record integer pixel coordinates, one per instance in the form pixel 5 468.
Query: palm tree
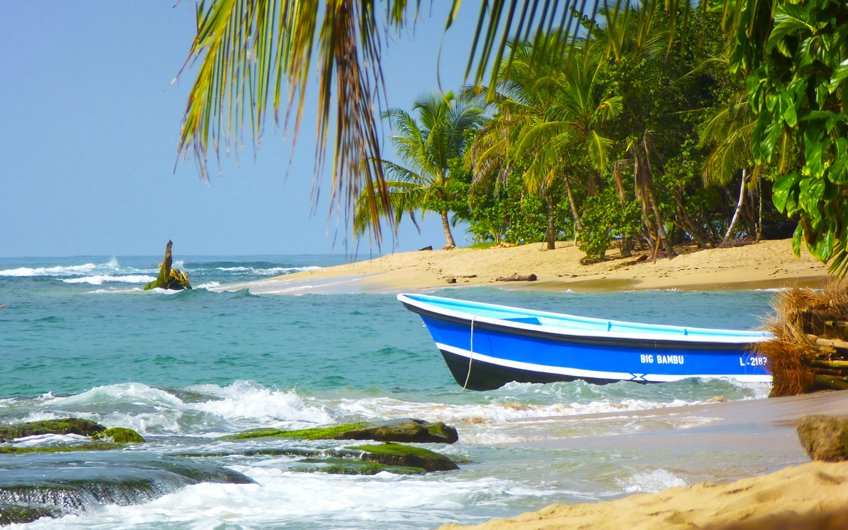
pixel 257 56
pixel 551 119
pixel 430 147
pixel 249 49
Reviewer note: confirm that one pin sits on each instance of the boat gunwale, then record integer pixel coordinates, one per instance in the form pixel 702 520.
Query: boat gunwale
pixel 421 304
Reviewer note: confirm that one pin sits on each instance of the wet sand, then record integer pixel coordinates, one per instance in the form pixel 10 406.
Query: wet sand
pixel 781 483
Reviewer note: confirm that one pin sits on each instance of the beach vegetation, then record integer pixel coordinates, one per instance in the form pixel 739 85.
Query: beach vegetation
pixel 715 118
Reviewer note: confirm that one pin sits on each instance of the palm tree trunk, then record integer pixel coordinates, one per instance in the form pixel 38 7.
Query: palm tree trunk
pixel 573 205
pixel 622 197
pixel 645 188
pixel 759 210
pixel 550 232
pixel 739 204
pixel 449 242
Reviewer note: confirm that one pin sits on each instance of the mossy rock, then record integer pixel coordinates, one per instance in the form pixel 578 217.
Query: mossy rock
pixel 334 432
pixel 120 435
pixel 350 466
pixel 824 438
pixel 403 430
pixel 26 513
pixel 98 446
pixel 393 454
pixel 78 426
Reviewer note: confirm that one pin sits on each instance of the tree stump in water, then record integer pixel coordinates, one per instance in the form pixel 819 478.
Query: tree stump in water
pixel 169 277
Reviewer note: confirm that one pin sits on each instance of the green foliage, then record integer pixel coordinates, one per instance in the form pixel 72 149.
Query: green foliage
pixel 798 86
pixel 604 218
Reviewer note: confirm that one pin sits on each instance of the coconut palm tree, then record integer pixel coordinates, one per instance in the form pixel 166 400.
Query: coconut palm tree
pixel 255 58
pixel 251 50
pixel 430 147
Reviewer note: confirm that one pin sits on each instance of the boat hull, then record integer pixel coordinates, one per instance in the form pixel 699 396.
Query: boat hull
pixel 484 351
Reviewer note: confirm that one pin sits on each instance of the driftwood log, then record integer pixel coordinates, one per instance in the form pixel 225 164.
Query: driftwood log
pixel 515 277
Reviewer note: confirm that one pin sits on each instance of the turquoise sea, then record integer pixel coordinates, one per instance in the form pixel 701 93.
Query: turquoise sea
pixel 79 337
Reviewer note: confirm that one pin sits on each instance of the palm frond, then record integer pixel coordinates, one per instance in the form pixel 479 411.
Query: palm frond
pixel 249 50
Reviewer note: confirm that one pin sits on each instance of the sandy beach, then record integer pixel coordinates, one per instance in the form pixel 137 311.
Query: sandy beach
pixel 780 492
pixel 767 264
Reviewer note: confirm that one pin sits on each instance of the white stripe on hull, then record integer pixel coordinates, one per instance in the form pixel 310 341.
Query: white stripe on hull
pixel 578 373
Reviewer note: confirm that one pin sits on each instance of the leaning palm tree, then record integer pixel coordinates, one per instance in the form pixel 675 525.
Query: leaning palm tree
pixel 429 146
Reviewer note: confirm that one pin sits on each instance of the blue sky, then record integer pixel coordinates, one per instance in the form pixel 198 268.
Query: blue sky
pixel 89 125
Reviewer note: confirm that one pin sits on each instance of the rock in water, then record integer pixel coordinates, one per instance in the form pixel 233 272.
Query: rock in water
pixel 78 426
pixel 169 277
pixel 405 430
pixel 825 437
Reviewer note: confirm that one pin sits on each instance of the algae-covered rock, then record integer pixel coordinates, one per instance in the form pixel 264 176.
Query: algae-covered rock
pixel 78 426
pixel 402 430
pixel 96 446
pixel 26 513
pixel 352 466
pixel 406 430
pixel 169 277
pixel 824 437
pixel 120 435
pixel 393 454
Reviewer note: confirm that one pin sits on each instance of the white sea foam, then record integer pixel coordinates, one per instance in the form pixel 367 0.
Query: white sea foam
pixel 266 271
pixel 494 412
pixel 100 279
pixel 651 481
pixel 283 499
pixel 58 270
pixel 247 402
pixel 87 271
pixel 242 405
pixel 51 440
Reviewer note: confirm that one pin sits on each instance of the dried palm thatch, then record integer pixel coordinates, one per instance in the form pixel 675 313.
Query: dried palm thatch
pixel 809 351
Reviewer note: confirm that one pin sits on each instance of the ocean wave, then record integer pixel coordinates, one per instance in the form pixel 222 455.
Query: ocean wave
pixel 196 410
pixel 651 481
pixel 57 270
pixel 246 402
pixel 110 268
pixel 265 271
pixel 100 279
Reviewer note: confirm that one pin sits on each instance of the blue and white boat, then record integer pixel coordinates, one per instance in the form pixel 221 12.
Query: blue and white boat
pixel 486 346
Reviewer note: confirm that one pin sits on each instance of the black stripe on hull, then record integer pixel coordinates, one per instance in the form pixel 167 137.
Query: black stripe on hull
pixel 488 376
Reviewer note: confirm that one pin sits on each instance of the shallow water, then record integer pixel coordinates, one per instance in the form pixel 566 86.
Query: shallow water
pixel 80 338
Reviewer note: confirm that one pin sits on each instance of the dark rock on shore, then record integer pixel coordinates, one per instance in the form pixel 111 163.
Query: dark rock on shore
pixel 402 430
pixel 825 437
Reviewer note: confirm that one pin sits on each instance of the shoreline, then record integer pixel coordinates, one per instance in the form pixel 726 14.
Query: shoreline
pixel 783 485
pixel 764 265
pixel 791 488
